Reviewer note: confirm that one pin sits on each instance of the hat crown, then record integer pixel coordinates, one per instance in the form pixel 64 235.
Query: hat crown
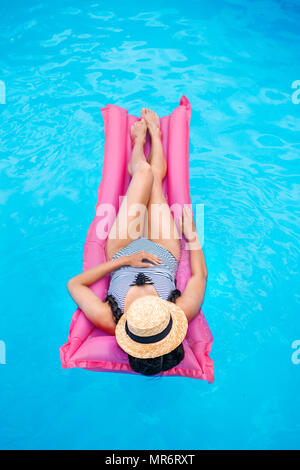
pixel 147 316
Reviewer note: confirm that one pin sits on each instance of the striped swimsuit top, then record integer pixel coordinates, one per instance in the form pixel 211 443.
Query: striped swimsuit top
pixel 159 276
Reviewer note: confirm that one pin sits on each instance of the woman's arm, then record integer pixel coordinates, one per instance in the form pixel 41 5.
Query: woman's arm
pixel 94 274
pixel 98 312
pixel 192 297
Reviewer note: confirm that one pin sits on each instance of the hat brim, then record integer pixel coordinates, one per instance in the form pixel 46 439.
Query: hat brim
pixel 166 345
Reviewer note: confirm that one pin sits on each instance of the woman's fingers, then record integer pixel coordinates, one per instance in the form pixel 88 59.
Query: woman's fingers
pixel 154 258
pixel 137 259
pixel 180 223
pixel 145 265
pixel 186 222
pixel 188 213
pixel 150 257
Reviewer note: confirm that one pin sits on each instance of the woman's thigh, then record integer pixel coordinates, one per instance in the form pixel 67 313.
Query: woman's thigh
pixel 130 221
pixel 161 225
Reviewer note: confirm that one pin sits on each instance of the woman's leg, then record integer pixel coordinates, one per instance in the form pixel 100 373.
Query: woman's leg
pixel 161 226
pixel 129 223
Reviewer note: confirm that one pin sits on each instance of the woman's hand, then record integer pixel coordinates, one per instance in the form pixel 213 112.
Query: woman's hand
pixel 136 259
pixel 187 224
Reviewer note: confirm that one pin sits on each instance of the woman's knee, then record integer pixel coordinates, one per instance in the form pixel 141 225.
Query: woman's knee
pixel 158 174
pixel 144 170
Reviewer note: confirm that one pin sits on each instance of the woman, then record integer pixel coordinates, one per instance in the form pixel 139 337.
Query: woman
pixel 150 313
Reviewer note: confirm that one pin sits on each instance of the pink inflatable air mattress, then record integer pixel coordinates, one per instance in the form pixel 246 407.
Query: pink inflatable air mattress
pixel 88 347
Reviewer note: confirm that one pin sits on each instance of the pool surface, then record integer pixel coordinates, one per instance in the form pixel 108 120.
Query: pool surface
pixel 238 62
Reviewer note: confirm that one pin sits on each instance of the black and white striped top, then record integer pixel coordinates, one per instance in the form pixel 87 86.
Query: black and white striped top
pixel 162 276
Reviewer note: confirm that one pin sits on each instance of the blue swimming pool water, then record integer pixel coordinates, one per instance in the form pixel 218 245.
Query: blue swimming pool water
pixel 236 61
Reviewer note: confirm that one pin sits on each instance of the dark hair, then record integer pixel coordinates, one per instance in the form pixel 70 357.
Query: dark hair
pixel 154 365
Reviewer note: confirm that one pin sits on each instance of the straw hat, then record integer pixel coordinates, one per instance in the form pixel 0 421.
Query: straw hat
pixel 151 327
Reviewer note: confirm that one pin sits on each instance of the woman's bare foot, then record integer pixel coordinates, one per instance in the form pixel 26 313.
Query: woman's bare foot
pixel 156 157
pixel 138 131
pixel 138 135
pixel 152 121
